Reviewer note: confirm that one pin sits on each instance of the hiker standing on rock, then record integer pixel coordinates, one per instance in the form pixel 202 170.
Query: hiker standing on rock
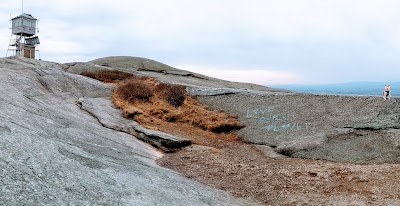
pixel 386 92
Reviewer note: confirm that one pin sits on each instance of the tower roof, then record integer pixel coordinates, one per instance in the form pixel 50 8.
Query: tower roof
pixel 24 15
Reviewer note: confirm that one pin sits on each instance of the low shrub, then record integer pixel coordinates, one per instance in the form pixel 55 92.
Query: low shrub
pixel 132 91
pixel 109 76
pixel 173 94
pixel 226 127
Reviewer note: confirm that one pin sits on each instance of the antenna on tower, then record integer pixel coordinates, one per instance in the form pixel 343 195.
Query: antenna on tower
pixel 22 6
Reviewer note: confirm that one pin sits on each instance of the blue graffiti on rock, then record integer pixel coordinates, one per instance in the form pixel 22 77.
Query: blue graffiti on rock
pixel 275 121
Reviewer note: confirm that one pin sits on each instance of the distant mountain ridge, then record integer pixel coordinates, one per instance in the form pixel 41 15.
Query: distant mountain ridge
pixel 356 88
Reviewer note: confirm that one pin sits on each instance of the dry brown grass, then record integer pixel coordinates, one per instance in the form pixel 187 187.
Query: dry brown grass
pixel 185 116
pixel 191 112
pixel 110 76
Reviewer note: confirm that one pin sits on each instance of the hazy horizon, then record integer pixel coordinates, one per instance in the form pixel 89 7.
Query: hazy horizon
pixel 350 88
pixel 338 83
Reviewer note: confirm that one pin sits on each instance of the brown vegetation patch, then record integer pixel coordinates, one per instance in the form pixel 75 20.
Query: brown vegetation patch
pixel 110 76
pixel 158 111
pixel 167 108
pixel 152 104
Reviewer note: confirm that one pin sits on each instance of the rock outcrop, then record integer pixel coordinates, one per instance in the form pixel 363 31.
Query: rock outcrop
pixel 53 152
pixel 63 142
pixel 295 124
pixel 330 127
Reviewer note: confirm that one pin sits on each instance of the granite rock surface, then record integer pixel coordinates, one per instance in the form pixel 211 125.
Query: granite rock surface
pixel 52 152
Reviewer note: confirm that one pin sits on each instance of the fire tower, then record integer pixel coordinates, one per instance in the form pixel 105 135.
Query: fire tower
pixel 24 39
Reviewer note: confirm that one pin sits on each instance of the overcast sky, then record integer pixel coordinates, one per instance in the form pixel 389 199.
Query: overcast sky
pixel 260 41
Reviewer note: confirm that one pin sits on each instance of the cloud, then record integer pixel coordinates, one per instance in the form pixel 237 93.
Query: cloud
pixel 209 22
pixel 172 24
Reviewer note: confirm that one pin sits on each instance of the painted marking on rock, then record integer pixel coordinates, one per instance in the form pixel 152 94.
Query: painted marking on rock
pixel 275 121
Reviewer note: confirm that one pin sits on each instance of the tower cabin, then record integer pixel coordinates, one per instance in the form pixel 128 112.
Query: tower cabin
pixel 24 30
